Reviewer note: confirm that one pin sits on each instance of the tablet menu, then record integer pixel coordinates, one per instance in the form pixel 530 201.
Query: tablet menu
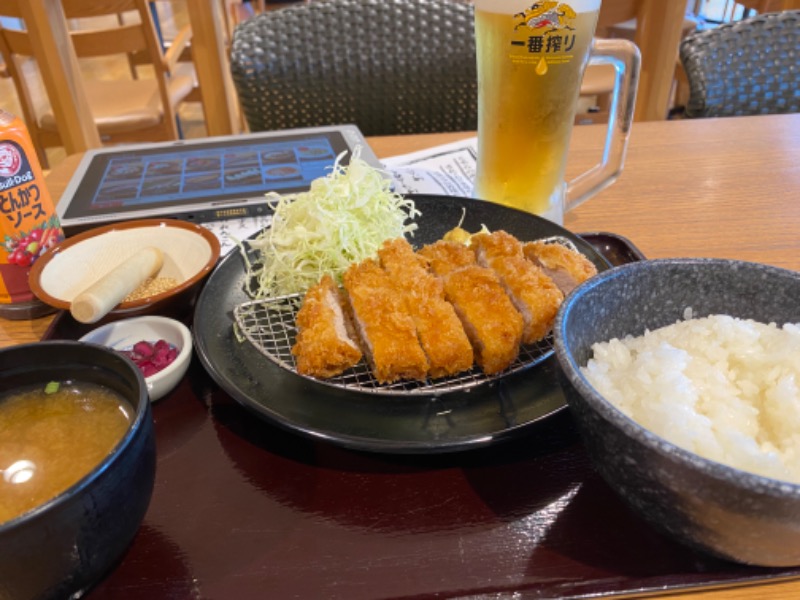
pixel 206 179
pixel 140 179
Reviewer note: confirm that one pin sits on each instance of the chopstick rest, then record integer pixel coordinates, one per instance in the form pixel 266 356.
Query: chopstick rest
pixel 102 296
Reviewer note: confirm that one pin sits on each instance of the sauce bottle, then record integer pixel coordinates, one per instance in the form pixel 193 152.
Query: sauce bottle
pixel 29 225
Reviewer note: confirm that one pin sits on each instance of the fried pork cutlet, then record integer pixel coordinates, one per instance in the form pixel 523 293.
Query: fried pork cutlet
pixel 534 294
pixel 325 345
pixel 563 265
pixel 443 257
pixel 439 329
pixel 385 327
pixel 493 325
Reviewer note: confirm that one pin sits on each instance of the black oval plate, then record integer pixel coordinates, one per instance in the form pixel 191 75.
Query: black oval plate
pixel 456 421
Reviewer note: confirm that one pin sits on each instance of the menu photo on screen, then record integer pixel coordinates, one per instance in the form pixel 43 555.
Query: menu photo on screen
pixel 203 180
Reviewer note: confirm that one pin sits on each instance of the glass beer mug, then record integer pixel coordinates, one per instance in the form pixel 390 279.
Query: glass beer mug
pixel 531 59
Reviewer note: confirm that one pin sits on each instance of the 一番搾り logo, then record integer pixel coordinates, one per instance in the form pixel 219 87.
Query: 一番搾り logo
pixel 544 30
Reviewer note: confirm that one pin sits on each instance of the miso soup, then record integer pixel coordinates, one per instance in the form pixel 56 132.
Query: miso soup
pixel 51 435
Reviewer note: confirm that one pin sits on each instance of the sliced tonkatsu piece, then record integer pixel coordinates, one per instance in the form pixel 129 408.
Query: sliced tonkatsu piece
pixel 325 345
pixel 563 265
pixel 439 329
pixel 533 293
pixel 386 330
pixel 443 257
pixel 493 325
pixel 488 246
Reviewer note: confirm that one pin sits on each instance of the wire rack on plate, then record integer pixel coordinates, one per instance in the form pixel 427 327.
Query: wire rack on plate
pixel 269 324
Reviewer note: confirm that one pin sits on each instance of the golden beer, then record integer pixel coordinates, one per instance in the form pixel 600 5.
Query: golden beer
pixel 531 58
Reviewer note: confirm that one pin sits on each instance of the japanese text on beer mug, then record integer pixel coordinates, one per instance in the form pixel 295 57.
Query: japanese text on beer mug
pixel 531 57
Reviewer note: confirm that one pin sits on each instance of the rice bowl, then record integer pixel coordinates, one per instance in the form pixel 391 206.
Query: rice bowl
pixel 705 504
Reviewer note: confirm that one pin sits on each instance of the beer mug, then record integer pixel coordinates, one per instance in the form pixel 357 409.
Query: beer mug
pixel 531 58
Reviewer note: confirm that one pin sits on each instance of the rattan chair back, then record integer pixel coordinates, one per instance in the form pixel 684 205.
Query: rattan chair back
pixel 748 67
pixel 389 66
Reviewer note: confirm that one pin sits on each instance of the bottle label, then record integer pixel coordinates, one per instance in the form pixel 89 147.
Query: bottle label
pixel 29 224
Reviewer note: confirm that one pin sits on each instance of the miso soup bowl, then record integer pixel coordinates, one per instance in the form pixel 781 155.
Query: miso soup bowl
pixel 711 507
pixel 63 547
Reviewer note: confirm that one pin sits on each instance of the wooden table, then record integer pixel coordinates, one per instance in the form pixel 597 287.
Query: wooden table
pixel 712 188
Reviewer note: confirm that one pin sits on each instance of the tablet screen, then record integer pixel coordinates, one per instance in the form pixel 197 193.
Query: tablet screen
pixel 190 176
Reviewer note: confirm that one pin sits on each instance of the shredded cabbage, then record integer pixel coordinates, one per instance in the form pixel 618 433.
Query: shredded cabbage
pixel 343 218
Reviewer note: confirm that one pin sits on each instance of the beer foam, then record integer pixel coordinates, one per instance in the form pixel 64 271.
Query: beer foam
pixel 515 6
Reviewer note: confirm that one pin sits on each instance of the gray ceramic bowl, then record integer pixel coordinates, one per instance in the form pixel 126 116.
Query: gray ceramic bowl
pixel 709 506
pixel 61 548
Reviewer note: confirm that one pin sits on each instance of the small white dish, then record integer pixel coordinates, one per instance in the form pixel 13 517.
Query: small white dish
pixel 123 334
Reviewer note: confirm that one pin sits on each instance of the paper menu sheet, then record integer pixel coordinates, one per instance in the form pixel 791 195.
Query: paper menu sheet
pixel 448 169
pixel 232 231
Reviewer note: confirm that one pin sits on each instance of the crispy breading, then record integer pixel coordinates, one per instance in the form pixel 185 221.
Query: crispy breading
pixel 325 346
pixel 534 294
pixel 495 244
pixel 493 325
pixel 444 257
pixel 439 329
pixel 385 327
pixel 565 266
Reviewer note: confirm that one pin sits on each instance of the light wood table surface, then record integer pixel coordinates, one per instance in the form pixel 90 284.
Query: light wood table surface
pixel 713 187
pixel 705 188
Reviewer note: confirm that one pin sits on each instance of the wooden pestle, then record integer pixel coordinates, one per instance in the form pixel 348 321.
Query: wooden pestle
pixel 103 295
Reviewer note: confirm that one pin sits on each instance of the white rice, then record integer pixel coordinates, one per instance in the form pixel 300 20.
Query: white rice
pixel 722 387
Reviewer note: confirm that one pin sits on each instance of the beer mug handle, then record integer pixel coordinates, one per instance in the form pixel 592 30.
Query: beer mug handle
pixel 624 56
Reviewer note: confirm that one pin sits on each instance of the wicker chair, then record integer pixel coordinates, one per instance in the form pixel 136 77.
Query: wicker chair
pixel 749 67
pixel 389 66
